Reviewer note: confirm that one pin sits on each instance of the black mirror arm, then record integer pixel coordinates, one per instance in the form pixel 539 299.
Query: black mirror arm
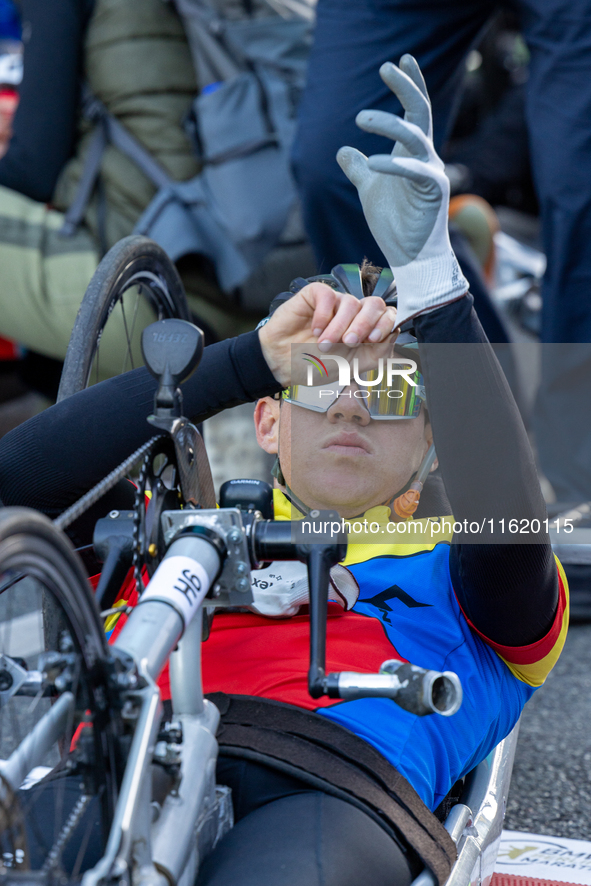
pixel 168 399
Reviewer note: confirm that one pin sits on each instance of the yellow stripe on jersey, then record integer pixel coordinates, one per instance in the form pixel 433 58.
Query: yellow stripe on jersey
pixel 535 673
pixel 403 540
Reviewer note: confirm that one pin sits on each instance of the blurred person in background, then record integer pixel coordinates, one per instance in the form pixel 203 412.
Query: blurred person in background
pixel 134 58
pixel 351 38
pixel 489 138
pixel 10 68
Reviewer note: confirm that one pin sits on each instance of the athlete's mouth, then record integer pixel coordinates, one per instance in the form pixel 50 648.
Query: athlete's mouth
pixel 348 444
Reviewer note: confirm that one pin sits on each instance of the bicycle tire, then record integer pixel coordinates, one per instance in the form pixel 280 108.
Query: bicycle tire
pixel 135 260
pixel 48 616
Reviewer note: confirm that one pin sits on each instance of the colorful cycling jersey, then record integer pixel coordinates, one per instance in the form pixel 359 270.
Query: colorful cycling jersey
pixel 407 609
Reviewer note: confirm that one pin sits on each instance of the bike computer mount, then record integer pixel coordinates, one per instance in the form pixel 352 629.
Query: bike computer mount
pixel 172 350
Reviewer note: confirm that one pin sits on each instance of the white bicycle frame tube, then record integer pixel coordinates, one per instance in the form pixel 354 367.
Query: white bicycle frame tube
pixel 168 615
pixel 33 749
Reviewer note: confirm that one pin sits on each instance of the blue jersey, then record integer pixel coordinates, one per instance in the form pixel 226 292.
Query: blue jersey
pixel 412 598
pixel 403 606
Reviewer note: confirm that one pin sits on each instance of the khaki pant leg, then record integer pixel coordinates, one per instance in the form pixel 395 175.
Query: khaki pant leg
pixel 43 278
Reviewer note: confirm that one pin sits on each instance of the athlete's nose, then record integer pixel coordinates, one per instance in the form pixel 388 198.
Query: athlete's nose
pixel 349 406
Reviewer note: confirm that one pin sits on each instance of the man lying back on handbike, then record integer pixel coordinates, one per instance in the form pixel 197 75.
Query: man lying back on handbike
pixel 495 613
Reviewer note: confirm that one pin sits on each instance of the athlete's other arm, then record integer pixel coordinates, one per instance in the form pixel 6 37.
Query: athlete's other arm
pixel 508 591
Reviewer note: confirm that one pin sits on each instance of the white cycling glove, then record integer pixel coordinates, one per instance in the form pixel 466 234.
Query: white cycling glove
pixel 405 196
pixel 281 588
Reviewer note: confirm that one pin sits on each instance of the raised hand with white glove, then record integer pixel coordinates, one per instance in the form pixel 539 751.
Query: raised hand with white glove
pixel 405 196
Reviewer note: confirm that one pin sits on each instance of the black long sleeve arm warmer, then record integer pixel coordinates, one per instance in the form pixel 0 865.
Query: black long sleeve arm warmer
pixel 49 462
pixel 508 591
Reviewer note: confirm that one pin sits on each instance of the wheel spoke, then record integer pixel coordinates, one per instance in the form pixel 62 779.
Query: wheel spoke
pixel 133 262
pixel 83 847
pixel 50 740
pixel 128 352
pixel 96 363
pixel 138 296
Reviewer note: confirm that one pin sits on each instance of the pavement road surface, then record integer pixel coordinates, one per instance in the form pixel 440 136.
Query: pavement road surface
pixel 551 786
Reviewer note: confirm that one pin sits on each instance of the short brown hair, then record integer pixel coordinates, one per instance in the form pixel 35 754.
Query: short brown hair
pixel 370 274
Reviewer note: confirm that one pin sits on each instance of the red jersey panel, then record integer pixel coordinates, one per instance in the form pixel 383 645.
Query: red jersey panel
pixel 248 654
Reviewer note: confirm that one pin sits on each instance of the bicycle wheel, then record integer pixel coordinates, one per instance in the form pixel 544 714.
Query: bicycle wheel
pixel 58 730
pixel 135 284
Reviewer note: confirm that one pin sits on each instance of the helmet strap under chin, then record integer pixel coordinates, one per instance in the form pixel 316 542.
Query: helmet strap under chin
pixel 277 473
pixel 289 493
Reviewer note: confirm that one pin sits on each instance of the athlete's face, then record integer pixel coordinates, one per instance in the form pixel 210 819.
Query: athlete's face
pixel 342 459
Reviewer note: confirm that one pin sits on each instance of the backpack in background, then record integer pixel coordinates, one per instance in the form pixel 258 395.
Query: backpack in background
pixel 241 211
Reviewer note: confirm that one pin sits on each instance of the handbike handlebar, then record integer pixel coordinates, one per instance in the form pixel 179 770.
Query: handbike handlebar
pixel 207 563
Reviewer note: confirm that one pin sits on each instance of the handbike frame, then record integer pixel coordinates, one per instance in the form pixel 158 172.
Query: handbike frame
pixel 167 851
pixel 209 553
